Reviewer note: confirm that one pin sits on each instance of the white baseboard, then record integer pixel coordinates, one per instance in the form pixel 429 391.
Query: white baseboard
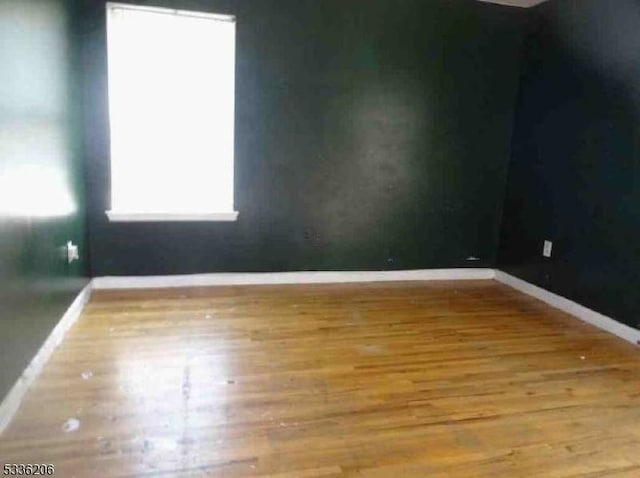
pixel 324 277
pixel 312 277
pixel 11 402
pixel 573 308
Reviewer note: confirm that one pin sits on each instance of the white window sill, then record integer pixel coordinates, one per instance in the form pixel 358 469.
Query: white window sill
pixel 120 216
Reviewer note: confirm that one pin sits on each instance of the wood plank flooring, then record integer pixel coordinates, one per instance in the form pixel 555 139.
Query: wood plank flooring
pixel 435 379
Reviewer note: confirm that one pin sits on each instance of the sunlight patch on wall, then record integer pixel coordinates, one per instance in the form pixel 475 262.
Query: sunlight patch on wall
pixel 34 115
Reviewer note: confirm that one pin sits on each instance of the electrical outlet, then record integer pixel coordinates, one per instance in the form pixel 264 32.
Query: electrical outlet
pixel 547 248
pixel 73 254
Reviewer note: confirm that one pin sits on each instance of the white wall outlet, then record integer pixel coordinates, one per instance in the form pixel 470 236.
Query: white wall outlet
pixel 547 248
pixel 73 254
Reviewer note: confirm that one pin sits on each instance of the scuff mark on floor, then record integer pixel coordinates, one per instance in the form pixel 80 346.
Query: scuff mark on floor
pixel 71 425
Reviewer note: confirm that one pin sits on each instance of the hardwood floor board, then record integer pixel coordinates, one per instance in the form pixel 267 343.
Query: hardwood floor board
pixel 438 379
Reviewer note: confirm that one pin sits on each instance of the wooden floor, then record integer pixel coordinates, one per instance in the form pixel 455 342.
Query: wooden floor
pixel 436 379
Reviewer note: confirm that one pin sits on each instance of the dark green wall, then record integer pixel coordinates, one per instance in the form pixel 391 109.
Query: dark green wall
pixel 40 178
pixel 574 177
pixel 370 134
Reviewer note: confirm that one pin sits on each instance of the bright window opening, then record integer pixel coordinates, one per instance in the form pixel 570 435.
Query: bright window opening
pixel 171 109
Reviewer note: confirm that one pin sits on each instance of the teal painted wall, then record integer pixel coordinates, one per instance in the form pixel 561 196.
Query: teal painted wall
pixel 370 135
pixel 41 177
pixel 574 176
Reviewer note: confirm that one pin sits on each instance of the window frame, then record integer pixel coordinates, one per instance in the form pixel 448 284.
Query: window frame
pixel 146 216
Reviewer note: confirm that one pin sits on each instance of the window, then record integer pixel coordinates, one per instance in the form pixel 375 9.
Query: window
pixel 171 112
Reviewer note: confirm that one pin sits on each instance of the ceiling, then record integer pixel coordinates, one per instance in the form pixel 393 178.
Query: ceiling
pixel 516 3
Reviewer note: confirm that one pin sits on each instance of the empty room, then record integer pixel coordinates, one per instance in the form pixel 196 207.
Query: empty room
pixel 320 238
